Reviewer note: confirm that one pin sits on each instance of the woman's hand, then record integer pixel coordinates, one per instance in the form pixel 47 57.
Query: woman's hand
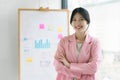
pixel 63 60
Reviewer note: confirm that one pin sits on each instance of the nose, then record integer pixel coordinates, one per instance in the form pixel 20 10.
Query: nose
pixel 78 22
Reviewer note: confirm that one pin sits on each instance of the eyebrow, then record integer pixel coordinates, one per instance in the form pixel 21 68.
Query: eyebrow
pixel 79 17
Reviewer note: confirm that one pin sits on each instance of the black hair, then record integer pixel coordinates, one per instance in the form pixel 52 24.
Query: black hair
pixel 81 11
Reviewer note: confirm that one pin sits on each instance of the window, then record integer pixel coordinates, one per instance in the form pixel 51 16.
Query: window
pixel 105 19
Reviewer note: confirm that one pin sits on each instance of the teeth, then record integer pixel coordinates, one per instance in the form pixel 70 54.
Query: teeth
pixel 78 27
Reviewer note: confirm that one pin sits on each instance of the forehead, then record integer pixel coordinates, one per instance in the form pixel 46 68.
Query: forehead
pixel 77 15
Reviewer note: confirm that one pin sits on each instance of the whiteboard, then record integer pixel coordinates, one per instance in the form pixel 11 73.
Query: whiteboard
pixel 39 33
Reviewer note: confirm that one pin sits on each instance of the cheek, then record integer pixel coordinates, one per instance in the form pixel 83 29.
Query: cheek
pixel 72 24
pixel 85 25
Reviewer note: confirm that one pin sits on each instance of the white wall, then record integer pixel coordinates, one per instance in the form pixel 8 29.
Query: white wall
pixel 9 33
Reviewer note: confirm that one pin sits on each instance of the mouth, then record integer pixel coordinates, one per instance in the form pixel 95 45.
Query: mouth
pixel 78 27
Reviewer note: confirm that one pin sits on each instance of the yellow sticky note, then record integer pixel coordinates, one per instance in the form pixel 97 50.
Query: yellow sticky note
pixel 51 28
pixel 29 59
pixel 60 29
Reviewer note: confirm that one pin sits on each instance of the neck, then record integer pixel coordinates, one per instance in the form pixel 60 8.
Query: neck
pixel 80 37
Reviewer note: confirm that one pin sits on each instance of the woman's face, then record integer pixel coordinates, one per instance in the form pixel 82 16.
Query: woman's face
pixel 79 23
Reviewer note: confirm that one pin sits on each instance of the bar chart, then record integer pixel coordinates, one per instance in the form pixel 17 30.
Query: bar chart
pixel 42 44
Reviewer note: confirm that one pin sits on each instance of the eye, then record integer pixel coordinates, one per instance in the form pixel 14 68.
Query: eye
pixel 82 19
pixel 74 20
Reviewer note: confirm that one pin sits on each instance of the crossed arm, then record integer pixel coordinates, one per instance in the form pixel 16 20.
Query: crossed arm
pixel 76 69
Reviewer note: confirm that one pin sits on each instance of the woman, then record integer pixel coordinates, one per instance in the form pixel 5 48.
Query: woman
pixel 78 55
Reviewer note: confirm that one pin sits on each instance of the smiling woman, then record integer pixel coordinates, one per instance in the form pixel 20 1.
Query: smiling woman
pixel 78 55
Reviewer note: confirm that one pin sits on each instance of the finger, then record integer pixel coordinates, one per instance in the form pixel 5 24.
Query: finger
pixel 61 58
pixel 62 55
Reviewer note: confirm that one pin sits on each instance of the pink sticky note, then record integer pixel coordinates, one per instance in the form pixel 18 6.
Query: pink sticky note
pixel 41 26
pixel 60 36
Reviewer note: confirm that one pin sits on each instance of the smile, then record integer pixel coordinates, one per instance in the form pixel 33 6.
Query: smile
pixel 78 27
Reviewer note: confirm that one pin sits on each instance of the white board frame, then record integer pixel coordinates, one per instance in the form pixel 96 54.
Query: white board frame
pixel 20 77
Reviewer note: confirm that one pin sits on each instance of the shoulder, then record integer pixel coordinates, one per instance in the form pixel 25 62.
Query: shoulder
pixel 67 38
pixel 94 40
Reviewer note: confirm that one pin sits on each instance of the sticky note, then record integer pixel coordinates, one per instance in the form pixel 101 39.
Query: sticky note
pixel 41 26
pixel 25 38
pixel 26 50
pixel 29 59
pixel 60 36
pixel 60 29
pixel 51 28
